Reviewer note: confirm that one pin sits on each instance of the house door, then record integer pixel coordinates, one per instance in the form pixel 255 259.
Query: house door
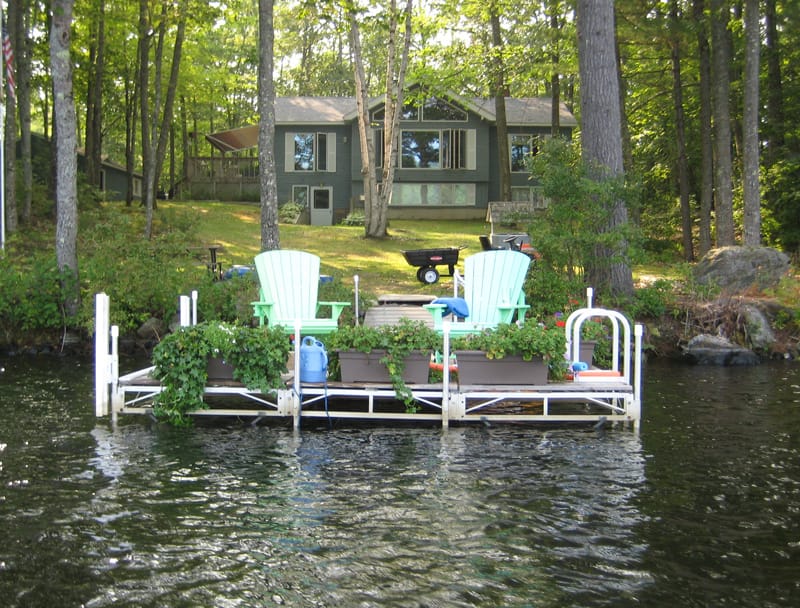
pixel 321 206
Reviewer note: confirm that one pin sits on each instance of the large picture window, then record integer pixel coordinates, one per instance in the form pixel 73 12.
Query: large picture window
pixel 310 152
pixel 433 194
pixel 436 149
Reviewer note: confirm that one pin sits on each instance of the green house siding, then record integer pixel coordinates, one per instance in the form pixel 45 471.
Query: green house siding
pixel 445 168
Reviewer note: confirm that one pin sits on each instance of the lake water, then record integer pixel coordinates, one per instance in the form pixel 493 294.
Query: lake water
pixel 702 508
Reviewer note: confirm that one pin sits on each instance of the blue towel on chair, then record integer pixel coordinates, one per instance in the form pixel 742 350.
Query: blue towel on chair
pixel 454 306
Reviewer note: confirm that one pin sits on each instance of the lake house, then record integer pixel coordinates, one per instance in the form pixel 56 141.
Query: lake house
pixel 446 163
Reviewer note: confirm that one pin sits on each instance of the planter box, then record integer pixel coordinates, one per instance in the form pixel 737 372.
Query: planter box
pixel 219 369
pixel 475 368
pixel 367 367
pixel 586 351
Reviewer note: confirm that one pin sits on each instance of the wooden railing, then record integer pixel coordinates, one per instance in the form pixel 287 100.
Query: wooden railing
pixel 222 169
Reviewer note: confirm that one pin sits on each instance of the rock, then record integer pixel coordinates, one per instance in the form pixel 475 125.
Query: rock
pixel 706 349
pixel 758 326
pixel 152 329
pixel 737 269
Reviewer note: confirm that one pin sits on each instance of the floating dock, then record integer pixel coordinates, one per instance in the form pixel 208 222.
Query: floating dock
pixel 596 396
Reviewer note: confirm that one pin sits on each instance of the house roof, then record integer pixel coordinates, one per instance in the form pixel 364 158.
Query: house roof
pixel 525 111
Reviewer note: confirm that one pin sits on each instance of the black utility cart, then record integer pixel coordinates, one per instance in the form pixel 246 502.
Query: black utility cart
pixel 428 259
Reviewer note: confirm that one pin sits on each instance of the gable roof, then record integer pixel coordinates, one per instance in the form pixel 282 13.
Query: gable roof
pixel 520 112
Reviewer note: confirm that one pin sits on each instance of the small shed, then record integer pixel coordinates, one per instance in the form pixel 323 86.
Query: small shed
pixel 510 219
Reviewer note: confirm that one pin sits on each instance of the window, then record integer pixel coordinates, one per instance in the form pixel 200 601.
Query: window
pixel 420 149
pixel 432 109
pixel 437 109
pixel 440 195
pixel 521 148
pixel 300 195
pixel 310 152
pixel 437 149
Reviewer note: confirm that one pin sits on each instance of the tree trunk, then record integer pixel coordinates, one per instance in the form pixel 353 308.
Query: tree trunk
pixel 682 164
pixel 395 83
pixel 66 149
pixel 372 218
pixel 555 81
pixel 131 96
pixel 22 57
pixel 94 99
pixel 148 149
pixel 601 131
pixel 774 93
pixel 377 197
pixel 499 86
pixel 169 103
pixel 706 139
pixel 750 157
pixel 723 184
pixel 270 238
pixel 10 142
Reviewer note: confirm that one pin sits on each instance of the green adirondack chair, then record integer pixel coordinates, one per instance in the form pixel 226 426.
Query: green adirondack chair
pixel 493 292
pixel 289 287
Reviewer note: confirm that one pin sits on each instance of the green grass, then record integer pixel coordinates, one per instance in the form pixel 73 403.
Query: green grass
pixel 344 251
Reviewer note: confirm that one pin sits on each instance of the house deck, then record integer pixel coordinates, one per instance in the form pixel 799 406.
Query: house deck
pixel 615 400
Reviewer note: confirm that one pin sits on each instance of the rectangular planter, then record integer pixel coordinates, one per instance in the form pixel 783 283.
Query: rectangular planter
pixel 367 367
pixel 219 369
pixel 475 368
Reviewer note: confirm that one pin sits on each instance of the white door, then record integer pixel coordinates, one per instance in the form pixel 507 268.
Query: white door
pixel 321 206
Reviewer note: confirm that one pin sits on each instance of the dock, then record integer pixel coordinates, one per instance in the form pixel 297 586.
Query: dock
pixel 608 396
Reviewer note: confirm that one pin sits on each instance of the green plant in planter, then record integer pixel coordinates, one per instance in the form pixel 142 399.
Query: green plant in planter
pixel 258 356
pixel 398 341
pixel 530 340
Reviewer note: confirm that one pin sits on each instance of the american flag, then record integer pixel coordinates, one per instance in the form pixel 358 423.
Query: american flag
pixel 8 57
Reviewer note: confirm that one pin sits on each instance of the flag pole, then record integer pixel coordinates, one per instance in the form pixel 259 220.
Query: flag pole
pixel 2 150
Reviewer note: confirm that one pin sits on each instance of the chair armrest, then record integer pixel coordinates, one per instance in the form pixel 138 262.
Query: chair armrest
pixel 437 310
pixel 336 308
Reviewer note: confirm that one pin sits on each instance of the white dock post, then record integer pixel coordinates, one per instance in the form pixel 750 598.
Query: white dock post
pixel 445 375
pixel 101 355
pixel 185 313
pixel 194 307
pixel 636 414
pixel 297 410
pixel 355 284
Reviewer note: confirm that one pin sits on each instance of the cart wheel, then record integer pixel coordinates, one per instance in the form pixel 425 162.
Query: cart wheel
pixel 429 275
pixel 421 273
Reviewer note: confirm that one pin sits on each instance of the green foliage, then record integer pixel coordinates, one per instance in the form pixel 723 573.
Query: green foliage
pixel 258 357
pixel 575 224
pixel 529 340
pixel 143 278
pixel 354 218
pixel 782 203
pixel 290 212
pixel 227 300
pixel 398 341
pixel 31 295
pixel 549 292
pixel 653 300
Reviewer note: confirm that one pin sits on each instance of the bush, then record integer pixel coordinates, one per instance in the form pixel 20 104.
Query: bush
pixel 31 296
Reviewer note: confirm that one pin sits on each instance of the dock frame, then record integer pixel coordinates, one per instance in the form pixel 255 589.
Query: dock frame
pixel 616 399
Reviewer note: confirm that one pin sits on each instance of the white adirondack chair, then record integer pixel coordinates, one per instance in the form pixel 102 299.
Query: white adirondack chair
pixel 289 287
pixel 493 292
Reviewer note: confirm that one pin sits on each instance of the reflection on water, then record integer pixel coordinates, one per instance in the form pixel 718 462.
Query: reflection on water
pixel 701 509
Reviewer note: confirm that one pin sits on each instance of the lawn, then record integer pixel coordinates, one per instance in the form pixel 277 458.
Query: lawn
pixel 344 251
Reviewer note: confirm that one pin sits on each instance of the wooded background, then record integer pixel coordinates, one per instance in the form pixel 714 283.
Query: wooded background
pixel 708 89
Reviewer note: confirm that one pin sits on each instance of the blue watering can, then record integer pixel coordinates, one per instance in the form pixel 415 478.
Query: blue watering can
pixel 313 360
